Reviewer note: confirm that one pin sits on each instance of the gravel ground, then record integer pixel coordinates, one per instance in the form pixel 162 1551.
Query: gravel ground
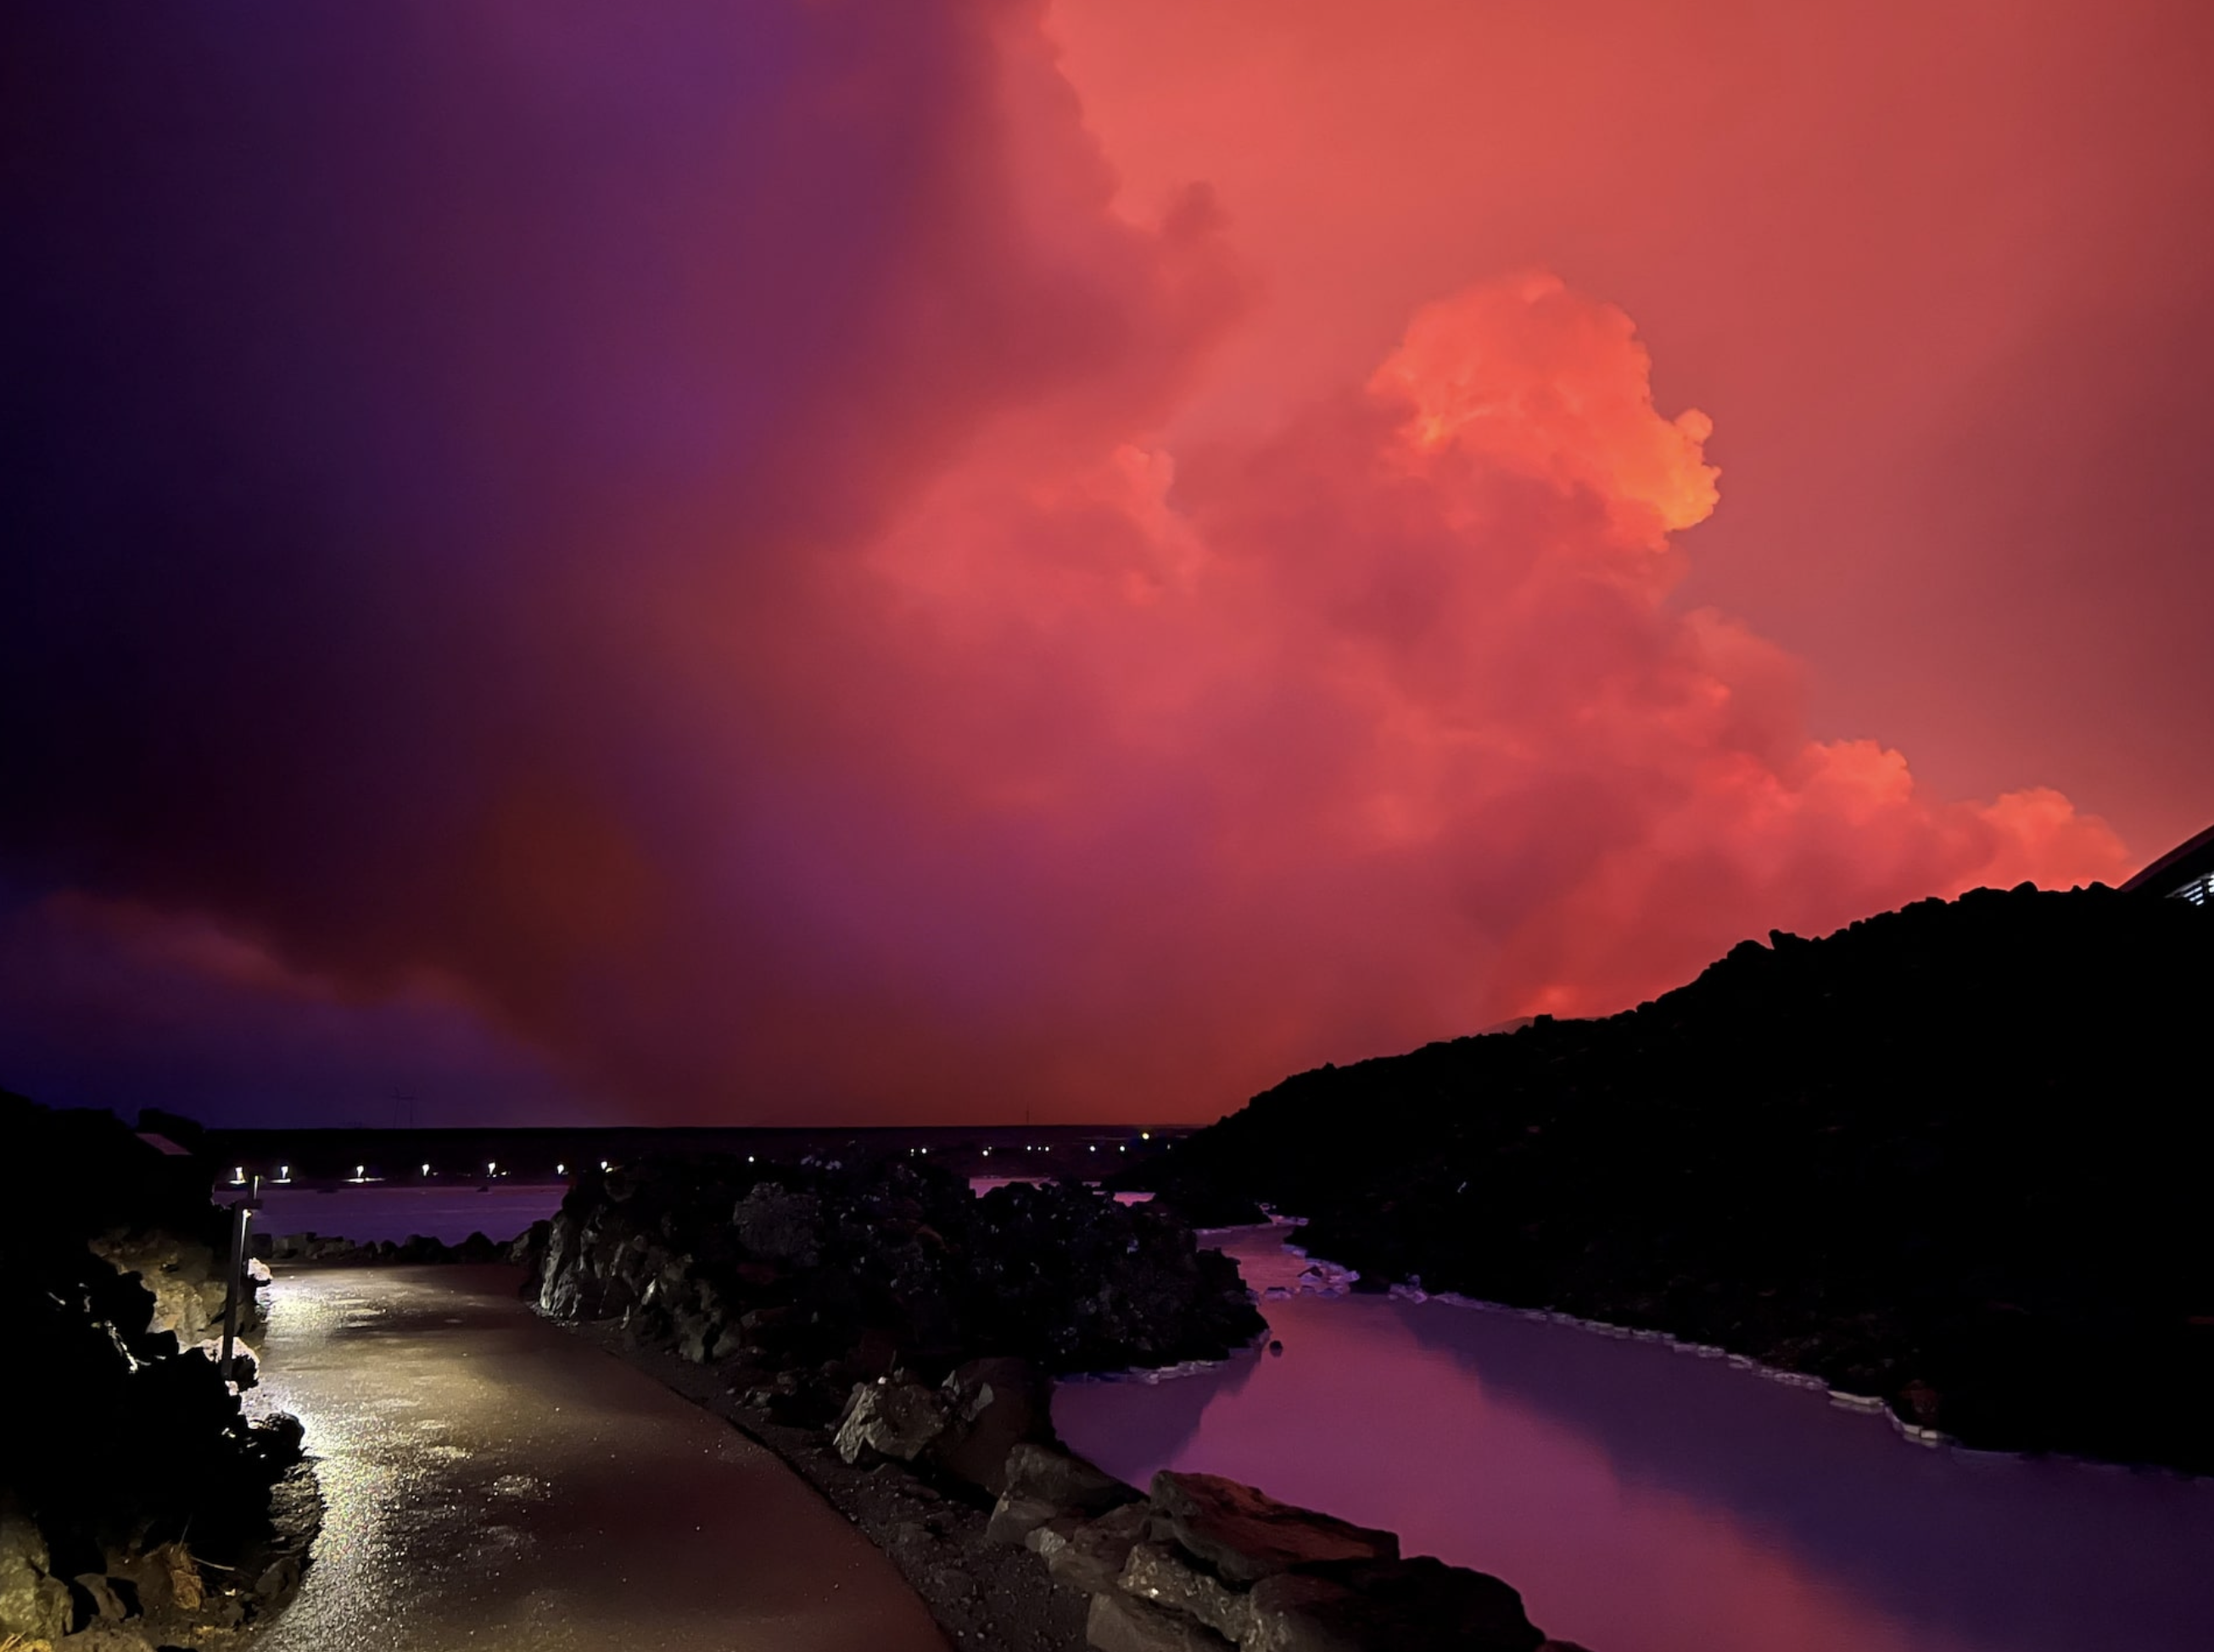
pixel 990 1597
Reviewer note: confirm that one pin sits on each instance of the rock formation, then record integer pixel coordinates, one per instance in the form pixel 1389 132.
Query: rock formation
pixel 805 1279
pixel 136 1499
pixel 1207 1565
pixel 1952 1156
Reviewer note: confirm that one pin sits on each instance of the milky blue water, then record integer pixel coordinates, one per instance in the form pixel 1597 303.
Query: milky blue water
pixel 1648 1500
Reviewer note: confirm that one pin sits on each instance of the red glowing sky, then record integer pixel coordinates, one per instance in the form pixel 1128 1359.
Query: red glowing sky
pixel 1078 559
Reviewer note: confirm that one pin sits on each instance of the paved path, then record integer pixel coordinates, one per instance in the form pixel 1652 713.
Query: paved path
pixel 499 1485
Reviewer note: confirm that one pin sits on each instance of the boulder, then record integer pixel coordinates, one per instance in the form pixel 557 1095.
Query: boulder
pixel 779 1225
pixel 1387 1606
pixel 1168 1577
pixel 1123 1622
pixel 992 1405
pixel 1048 1539
pixel 1247 1535
pixel 33 1604
pixel 1070 1483
pixel 1014 1518
pixel 176 1563
pixel 185 1277
pixel 103 1637
pixel 890 1419
pixel 1090 1555
pixel 97 1598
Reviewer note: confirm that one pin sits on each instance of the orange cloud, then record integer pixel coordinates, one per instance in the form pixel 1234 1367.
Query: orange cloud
pixel 1405 679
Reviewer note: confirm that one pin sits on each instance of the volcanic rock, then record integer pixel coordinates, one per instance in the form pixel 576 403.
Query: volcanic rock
pixel 1166 1576
pixel 96 1596
pixel 1123 1622
pixel 1090 1554
pixel 1247 1535
pixel 888 1265
pixel 1387 1606
pixel 113 1252
pixel 991 1406
pixel 1939 1157
pixel 101 1636
pixel 32 1603
pixel 1015 1518
pixel 783 1226
pixel 1072 1484
pixel 890 1419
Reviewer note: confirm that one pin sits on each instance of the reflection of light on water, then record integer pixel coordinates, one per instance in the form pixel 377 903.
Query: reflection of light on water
pixel 336 1593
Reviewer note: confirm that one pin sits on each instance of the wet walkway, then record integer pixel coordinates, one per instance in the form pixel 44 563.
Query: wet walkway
pixel 495 1484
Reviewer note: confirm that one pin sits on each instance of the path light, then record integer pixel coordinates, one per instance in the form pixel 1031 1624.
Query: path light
pixel 560 1169
pixel 238 1177
pixel 603 1163
pixel 492 1168
pixel 283 1173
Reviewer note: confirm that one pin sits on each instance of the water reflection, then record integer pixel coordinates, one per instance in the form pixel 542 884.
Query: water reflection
pixel 1646 1500
pixel 449 1213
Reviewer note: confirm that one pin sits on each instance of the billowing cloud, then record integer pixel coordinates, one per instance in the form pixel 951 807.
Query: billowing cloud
pixel 661 547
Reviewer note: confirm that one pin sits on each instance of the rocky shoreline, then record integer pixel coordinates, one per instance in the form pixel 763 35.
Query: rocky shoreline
pixel 799 1281
pixel 1942 1160
pixel 893 1338
pixel 1067 1557
pixel 138 1504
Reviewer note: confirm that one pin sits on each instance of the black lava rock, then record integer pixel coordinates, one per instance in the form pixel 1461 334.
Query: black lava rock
pixel 1952 1155
pixel 847 1271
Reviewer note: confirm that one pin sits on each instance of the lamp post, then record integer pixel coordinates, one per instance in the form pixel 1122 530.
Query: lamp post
pixel 242 1215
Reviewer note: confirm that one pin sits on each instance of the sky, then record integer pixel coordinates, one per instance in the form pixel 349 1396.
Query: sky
pixel 779 562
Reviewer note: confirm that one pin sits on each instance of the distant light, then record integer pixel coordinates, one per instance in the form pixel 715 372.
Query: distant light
pixel 1145 1136
pixel 426 1169
pixel 926 1151
pixel 560 1169
pixel 749 1158
pixel 1124 1148
pixel 987 1152
pixel 603 1164
pixel 1091 1149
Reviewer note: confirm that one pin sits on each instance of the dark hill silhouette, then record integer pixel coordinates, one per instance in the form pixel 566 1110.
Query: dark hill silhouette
pixel 1954 1156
